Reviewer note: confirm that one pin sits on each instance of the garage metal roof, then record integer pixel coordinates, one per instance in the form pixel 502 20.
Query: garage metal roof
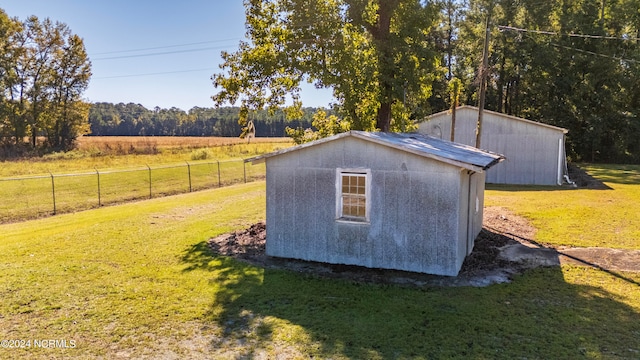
pixel 498 115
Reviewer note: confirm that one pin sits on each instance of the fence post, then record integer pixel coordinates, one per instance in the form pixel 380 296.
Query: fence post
pixel 99 198
pixel 189 172
pixel 150 194
pixel 219 183
pixel 244 169
pixel 53 192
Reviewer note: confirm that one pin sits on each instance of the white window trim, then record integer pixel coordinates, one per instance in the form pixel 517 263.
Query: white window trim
pixel 367 194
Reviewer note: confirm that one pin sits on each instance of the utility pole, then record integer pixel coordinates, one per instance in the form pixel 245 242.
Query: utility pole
pixel 454 89
pixel 483 77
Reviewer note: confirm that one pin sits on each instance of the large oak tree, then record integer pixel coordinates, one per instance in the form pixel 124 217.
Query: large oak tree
pixel 375 55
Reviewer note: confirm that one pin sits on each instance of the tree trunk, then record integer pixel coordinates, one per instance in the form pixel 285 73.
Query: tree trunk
pixel 384 117
pixel 34 136
pixel 381 35
pixel 450 46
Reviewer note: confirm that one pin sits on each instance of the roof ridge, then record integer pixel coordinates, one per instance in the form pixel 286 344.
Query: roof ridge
pixel 422 145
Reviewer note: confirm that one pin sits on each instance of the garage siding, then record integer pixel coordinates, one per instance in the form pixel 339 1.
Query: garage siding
pixel 531 149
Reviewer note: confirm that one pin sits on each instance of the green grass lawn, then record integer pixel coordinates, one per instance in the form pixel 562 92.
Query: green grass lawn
pixel 581 217
pixel 116 278
pixel 137 281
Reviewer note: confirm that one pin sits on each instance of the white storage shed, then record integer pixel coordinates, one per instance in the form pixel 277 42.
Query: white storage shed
pixel 380 200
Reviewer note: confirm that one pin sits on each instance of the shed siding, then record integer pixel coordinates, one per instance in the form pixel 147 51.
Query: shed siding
pixel 463 225
pixel 531 150
pixel 470 224
pixel 414 217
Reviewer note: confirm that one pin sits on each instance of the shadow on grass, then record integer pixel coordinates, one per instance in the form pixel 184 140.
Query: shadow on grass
pixel 580 260
pixel 593 178
pixel 516 188
pixel 616 174
pixel 197 257
pixel 540 314
pixel 616 274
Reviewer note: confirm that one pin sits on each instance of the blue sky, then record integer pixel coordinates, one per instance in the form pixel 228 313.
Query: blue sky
pixel 156 53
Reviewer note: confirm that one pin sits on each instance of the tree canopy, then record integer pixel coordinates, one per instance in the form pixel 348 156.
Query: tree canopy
pixel 44 71
pixel 569 63
pixel 376 56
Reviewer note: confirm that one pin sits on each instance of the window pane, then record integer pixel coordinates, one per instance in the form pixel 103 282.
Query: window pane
pixel 361 206
pixel 354 196
pixel 353 206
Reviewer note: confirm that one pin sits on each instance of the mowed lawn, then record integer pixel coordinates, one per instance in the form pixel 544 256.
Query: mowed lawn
pixel 137 281
pixel 581 217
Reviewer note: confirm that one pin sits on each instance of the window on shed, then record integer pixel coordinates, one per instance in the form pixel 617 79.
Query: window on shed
pixel 353 195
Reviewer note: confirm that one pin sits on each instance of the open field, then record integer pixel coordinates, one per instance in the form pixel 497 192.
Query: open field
pixel 31 197
pixel 108 153
pixel 106 143
pixel 137 281
pixel 84 179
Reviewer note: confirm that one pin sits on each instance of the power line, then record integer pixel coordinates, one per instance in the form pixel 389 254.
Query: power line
pixel 593 53
pixel 511 28
pixel 151 74
pixel 165 47
pixel 159 53
pixel 586 51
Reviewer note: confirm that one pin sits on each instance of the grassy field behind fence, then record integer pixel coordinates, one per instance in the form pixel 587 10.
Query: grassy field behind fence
pixel 113 169
pixel 115 153
pixel 30 197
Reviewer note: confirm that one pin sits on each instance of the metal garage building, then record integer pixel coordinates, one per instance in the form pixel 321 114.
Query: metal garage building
pixel 534 152
pixel 381 200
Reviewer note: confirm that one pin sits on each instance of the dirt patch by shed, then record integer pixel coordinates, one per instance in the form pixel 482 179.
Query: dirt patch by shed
pixel 504 248
pixel 482 267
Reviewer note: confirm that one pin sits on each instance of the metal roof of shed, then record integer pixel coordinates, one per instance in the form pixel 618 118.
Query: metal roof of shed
pixel 500 115
pixel 461 155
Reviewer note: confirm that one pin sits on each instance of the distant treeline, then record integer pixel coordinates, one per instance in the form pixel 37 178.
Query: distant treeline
pixel 107 119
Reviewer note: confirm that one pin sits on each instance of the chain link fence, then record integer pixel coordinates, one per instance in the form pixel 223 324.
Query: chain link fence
pixel 35 196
